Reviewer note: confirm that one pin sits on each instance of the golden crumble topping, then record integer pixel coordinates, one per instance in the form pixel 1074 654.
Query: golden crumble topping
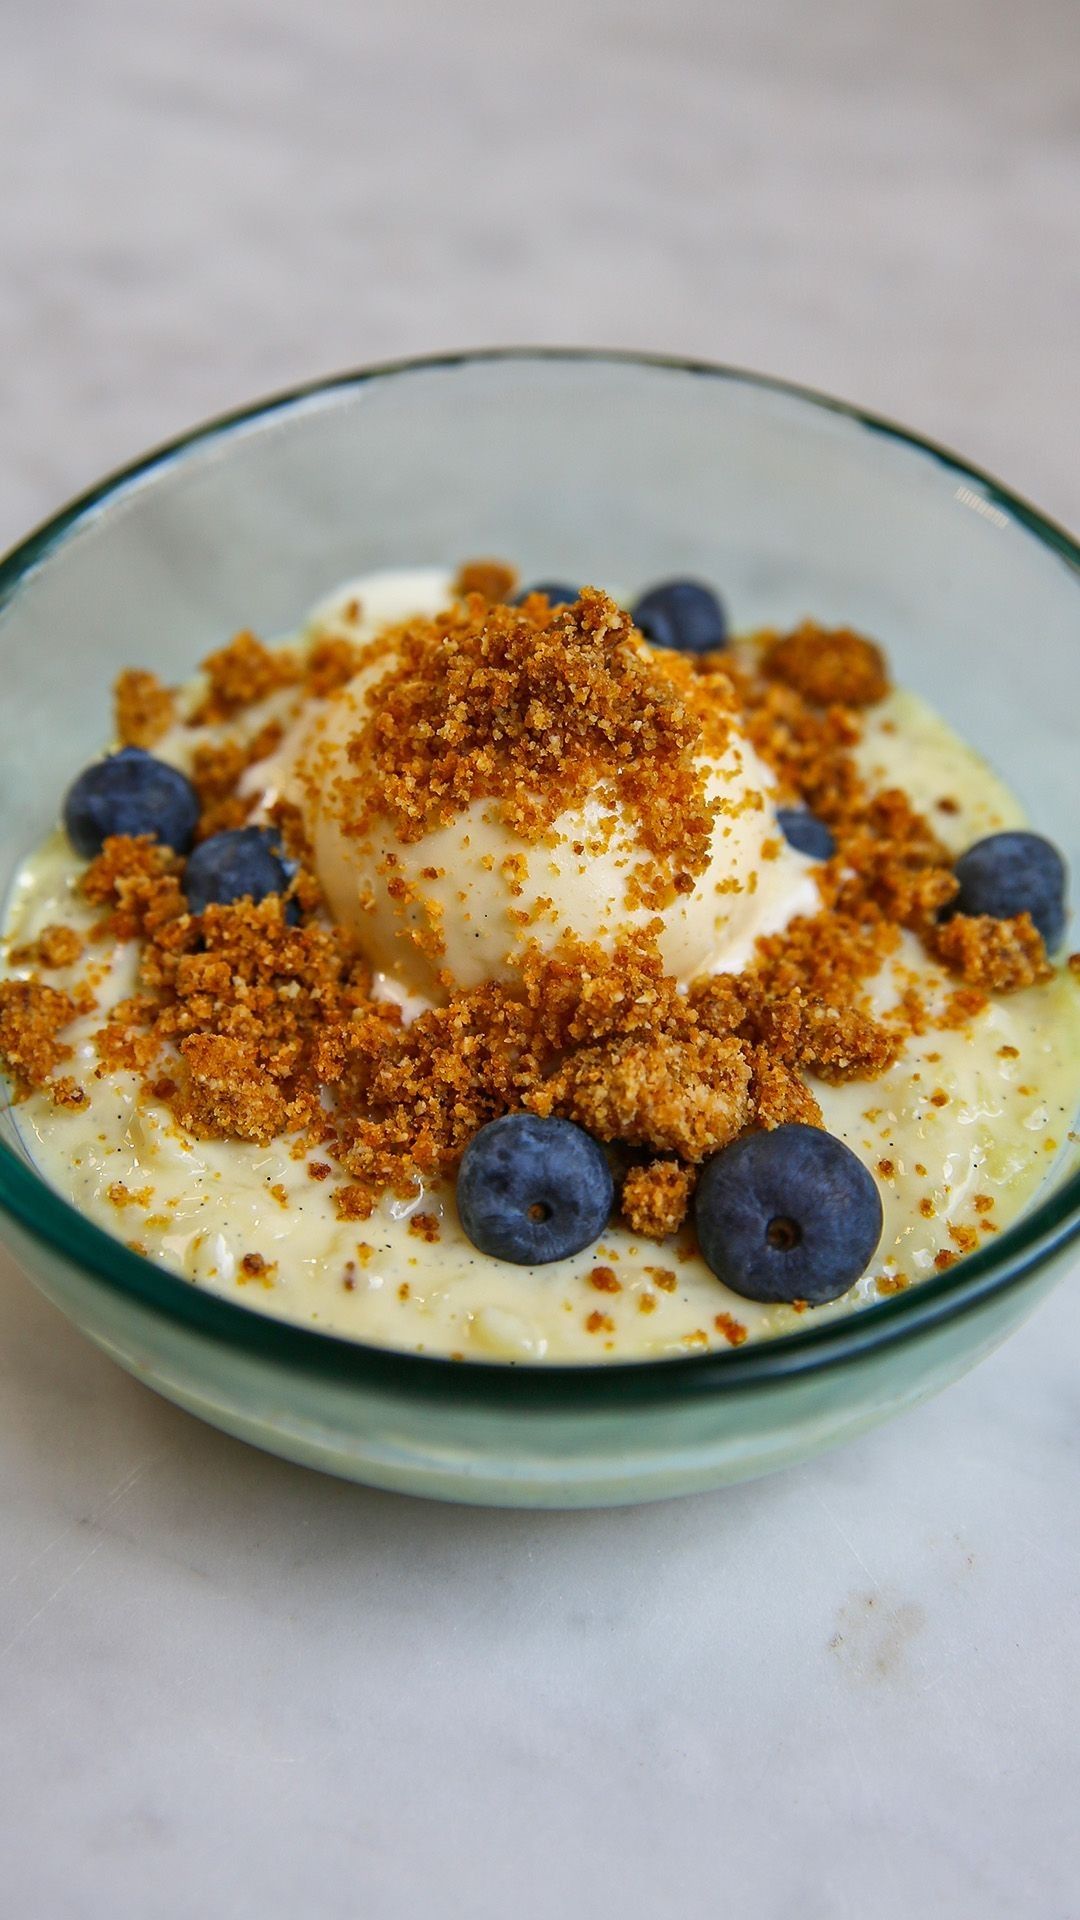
pixel 491 579
pixel 55 946
pixel 828 666
pixel 1001 955
pixel 144 708
pixel 330 664
pixel 32 1016
pixel 686 1096
pixel 242 673
pixel 656 1198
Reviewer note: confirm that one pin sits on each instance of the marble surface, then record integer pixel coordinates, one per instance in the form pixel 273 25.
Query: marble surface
pixel 228 1686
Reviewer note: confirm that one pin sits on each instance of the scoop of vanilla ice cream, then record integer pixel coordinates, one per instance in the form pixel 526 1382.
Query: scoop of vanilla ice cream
pixel 467 898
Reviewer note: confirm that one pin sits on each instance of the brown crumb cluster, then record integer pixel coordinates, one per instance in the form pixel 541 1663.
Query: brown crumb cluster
pixel 139 882
pixel 216 769
pixel 32 1017
pixel 425 1226
pixel 829 666
pixel 492 579
pixel 242 673
pixel 733 1330
pixel 689 1096
pixel 55 946
pixel 330 665
pixel 1000 956
pixel 250 1028
pixel 254 1266
pixel 656 1198
pixel 120 1195
pixel 605 1280
pixel 144 707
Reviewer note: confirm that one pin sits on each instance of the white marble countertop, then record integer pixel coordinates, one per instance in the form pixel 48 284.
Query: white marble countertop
pixel 227 1686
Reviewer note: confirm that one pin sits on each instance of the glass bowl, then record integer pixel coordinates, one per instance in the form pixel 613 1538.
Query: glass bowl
pixel 583 465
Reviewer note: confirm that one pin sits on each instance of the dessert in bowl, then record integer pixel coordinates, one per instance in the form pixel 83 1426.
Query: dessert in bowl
pixel 481 952
pixel 544 978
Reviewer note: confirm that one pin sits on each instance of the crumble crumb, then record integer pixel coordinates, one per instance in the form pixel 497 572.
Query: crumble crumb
pixel 121 1196
pixel 604 1280
pixel 356 1201
pixel 656 1198
pixel 254 1267
pixel 1002 955
pixel 492 579
pixel 828 666
pixel 779 1094
pixel 216 768
pixel 32 1016
pixel 425 1226
pixel 144 708
pixel 139 880
pixel 55 946
pixel 733 1330
pixel 962 1236
pixel 241 673
pixel 66 1092
pixel 680 1097
pixel 663 1278
pixel 331 662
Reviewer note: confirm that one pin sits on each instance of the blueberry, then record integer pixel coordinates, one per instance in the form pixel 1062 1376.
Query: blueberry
pixel 806 833
pixel 532 1190
pixel 787 1215
pixel 1011 873
pixel 682 614
pixel 243 861
pixel 558 593
pixel 130 793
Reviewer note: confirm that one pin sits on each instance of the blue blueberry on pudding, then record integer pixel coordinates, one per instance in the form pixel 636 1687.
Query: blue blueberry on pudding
pixel 130 793
pixel 241 863
pixel 788 1215
pixel 532 1190
pixel 805 832
pixel 683 615
pixel 1012 873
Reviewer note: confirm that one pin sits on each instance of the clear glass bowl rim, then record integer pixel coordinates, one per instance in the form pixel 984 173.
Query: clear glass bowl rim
pixel 1037 1238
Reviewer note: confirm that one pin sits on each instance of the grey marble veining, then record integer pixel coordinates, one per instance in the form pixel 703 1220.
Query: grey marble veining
pixel 227 1686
